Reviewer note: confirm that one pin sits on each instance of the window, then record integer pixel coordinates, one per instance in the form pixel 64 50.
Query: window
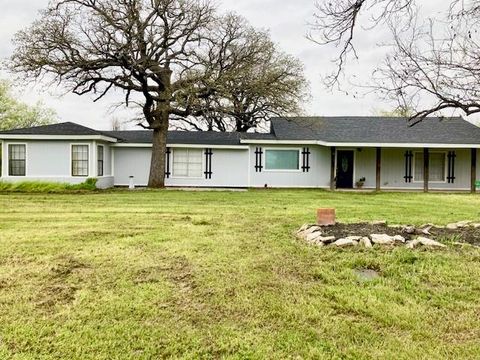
pixel 187 163
pixel 79 160
pixel 282 159
pixel 99 160
pixel 436 168
pixel 16 160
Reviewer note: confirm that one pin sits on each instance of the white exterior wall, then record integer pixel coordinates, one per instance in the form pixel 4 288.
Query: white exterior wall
pixel 365 167
pixel 317 177
pixel 393 170
pixel 229 168
pixel 50 161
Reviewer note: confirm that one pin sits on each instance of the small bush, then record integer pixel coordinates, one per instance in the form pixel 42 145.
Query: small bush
pixel 47 187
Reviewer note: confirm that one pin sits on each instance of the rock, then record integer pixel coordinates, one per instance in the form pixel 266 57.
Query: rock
pixel 452 227
pixel 365 242
pixel 476 225
pixel 427 225
pixel 409 229
pixel 423 231
pixel 430 243
pixel 412 244
pixel 354 238
pixel 379 222
pixel 396 226
pixel 399 238
pixel 462 224
pixel 313 236
pixel 382 239
pixel 325 239
pixel 345 243
pixel 312 229
pixel 303 228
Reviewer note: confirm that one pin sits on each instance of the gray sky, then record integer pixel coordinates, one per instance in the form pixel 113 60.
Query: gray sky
pixel 287 21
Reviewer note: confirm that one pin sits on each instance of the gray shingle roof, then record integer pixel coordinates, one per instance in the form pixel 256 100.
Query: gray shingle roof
pixel 328 129
pixel 377 130
pixel 66 128
pixel 178 137
pixel 132 136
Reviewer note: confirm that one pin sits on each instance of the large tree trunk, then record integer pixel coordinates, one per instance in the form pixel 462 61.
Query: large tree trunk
pixel 159 147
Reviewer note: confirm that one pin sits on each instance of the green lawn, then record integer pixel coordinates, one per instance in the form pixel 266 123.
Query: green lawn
pixel 155 274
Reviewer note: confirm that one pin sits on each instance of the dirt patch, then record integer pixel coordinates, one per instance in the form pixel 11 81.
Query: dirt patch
pixel 365 275
pixel 468 235
pixel 61 283
pixel 102 235
pixel 176 270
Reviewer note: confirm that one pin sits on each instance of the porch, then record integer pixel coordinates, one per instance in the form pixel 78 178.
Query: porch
pixel 420 169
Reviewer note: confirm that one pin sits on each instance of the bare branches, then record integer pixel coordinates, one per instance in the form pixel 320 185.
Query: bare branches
pixel 432 65
pixel 434 68
pixel 170 57
pixel 336 23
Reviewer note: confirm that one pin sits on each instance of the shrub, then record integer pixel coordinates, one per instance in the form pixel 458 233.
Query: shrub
pixel 47 187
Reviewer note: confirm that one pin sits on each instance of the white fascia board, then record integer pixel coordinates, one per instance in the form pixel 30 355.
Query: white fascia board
pixel 190 146
pixel 345 144
pixel 57 137
pixel 407 145
pixel 281 142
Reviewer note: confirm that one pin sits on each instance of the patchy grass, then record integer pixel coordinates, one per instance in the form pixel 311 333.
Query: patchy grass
pixel 155 274
pixel 47 187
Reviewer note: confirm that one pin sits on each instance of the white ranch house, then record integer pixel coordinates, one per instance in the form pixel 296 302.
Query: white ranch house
pixel 318 152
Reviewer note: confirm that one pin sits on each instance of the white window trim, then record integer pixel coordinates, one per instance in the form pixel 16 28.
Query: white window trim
pixel 172 164
pixel 430 181
pixel 103 150
pixel 71 160
pixel 7 163
pixel 284 170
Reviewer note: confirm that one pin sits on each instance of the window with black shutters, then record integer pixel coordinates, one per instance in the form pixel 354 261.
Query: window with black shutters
pixel 437 169
pixel 17 160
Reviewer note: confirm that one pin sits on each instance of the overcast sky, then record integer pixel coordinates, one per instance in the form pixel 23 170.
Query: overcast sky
pixel 287 21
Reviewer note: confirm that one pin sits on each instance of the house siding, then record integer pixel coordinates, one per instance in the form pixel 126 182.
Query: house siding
pixel 229 168
pixel 318 175
pixel 50 161
pixel 393 171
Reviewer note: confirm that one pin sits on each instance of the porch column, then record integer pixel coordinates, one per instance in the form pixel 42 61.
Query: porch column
pixel 332 169
pixel 379 168
pixel 473 186
pixel 426 169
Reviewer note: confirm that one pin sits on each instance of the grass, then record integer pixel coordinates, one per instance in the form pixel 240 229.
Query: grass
pixel 158 274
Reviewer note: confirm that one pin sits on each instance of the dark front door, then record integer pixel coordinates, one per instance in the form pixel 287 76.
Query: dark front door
pixel 345 169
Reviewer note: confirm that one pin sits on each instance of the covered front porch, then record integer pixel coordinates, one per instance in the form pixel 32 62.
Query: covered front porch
pixel 407 168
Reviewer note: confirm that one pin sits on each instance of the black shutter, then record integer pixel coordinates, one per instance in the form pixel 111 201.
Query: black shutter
pixel 167 169
pixel 208 163
pixel 306 159
pixel 451 167
pixel 408 167
pixel 258 159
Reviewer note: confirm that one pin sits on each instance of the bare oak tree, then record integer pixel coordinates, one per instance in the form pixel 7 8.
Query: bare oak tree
pixel 262 81
pixel 172 58
pixel 432 65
